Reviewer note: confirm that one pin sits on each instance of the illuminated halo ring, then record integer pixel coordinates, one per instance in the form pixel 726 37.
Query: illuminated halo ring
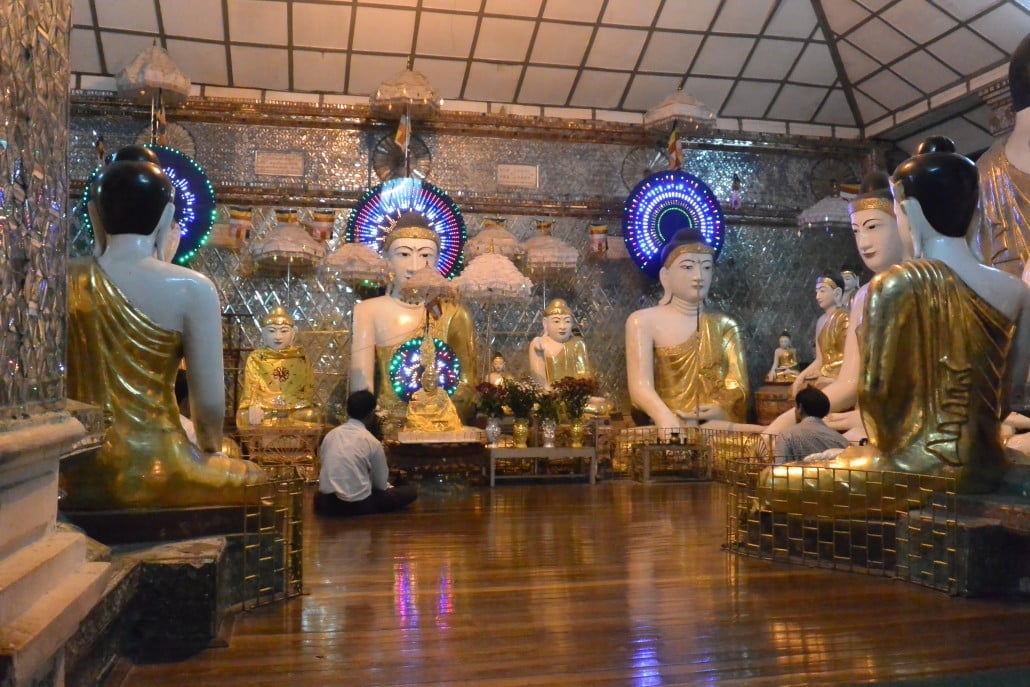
pixel 661 205
pixel 382 205
pixel 406 368
pixel 194 200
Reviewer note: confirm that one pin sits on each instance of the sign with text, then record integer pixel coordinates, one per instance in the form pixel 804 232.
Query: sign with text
pixel 522 176
pixel 272 163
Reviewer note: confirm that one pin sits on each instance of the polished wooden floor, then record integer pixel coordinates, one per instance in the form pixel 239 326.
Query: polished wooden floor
pixel 617 584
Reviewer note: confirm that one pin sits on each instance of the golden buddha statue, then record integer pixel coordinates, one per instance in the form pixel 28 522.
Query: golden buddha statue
pixel 946 339
pixel 383 324
pixel 278 384
pixel 558 353
pixel 831 329
pixel 430 408
pixel 685 365
pixel 498 370
pixel 132 319
pixel 785 361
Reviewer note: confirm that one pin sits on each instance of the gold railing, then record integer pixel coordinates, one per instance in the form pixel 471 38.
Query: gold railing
pixel 686 445
pixel 273 541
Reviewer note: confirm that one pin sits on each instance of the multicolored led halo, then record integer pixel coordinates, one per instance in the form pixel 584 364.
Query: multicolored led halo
pixel 661 205
pixel 406 368
pixel 194 200
pixel 381 206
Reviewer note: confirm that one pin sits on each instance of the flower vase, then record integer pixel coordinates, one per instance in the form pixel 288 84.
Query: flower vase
pixel 520 432
pixel 493 431
pixel 548 428
pixel 577 430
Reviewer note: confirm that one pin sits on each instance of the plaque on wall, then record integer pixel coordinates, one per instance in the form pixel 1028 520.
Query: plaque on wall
pixel 522 176
pixel 273 163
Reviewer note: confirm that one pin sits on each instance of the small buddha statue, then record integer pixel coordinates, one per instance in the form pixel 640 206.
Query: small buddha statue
pixel 559 353
pixel 851 285
pixel 831 329
pixel 278 384
pixel 498 372
pixel 785 361
pixel 684 364
pixel 430 408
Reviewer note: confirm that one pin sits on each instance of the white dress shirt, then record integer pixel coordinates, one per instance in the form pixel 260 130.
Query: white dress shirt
pixel 353 463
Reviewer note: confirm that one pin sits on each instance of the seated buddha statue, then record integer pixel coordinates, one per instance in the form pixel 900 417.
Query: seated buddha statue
pixel 383 324
pixel 559 353
pixel 685 364
pixel 430 408
pixel 498 370
pixel 132 320
pixel 851 285
pixel 946 339
pixel 785 361
pixel 278 384
pixel 830 331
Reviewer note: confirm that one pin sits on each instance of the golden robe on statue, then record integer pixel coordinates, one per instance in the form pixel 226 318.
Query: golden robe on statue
pixel 708 367
pixel 1004 231
pixel 432 411
pixel 573 361
pixel 120 360
pixel 831 343
pixel 280 380
pixel 455 327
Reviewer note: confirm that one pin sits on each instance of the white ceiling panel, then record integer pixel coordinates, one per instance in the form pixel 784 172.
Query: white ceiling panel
pixel 793 19
pixel 743 16
pixel 518 8
pixel 712 92
pixel 368 71
pixel 201 62
pixel 445 75
pixel 321 26
pixel 492 82
pixel 372 23
pixel 456 5
pixel 599 89
pixel 965 52
pixel 815 66
pixel 772 59
pixel 924 72
pixel 857 65
pixel 120 48
pixel 968 138
pixel 750 99
pixel 260 68
pixel 616 48
pixel 646 91
pixel 797 103
pixel 843 15
pixel 573 10
pixel 503 39
pixel 193 20
pixel 130 15
pixel 1005 26
pixel 870 110
pixel 877 39
pixel 836 110
pixel 919 20
pixel 323 72
pixel 964 9
pixel 670 52
pixel 722 56
pixel 252 21
pixel 445 35
pixel 546 85
pixel 699 18
pixel 564 44
pixel 889 90
pixel 81 13
pixel 83 52
pixel 630 12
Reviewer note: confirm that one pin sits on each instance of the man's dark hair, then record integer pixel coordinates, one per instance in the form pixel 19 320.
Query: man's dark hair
pixel 361 404
pixel 813 402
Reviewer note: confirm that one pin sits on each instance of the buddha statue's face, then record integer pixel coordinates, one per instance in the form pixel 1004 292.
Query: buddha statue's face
pixel 498 364
pixel 408 255
pixel 850 281
pixel 688 276
pixel 429 381
pixel 785 342
pixel 558 327
pixel 278 336
pixel 826 295
pixel 877 239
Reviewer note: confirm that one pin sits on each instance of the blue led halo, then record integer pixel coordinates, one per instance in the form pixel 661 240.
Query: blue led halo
pixel 382 205
pixel 662 204
pixel 406 368
pixel 194 200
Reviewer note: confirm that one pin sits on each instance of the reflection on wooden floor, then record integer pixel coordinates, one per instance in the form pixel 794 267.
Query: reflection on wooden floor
pixel 617 584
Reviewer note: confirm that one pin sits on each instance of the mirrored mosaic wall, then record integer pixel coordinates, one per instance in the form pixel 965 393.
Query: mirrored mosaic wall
pixel 34 101
pixel 765 277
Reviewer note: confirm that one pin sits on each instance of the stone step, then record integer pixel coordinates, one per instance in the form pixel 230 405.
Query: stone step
pixel 31 572
pixel 29 643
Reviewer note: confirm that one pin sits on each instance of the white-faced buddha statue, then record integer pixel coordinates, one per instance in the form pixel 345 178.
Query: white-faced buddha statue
pixel 559 353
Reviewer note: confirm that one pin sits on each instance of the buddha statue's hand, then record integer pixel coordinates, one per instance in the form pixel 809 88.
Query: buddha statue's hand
pixel 842 422
pixel 255 414
pixel 705 412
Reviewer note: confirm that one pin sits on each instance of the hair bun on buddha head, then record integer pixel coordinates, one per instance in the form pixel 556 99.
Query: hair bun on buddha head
pixel 131 197
pixel 687 240
pixel 136 153
pixel 945 183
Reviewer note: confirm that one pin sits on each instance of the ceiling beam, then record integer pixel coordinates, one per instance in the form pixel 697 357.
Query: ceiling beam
pixel 842 75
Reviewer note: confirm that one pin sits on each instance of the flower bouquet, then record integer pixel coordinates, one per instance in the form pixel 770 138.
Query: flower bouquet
pixel 523 395
pixel 573 394
pixel 492 399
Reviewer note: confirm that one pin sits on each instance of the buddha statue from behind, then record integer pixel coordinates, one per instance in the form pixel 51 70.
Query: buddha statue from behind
pixel 559 353
pixel 278 384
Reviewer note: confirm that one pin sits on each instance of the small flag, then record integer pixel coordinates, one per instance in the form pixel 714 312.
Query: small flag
pixel 674 152
pixel 161 125
pixel 403 133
